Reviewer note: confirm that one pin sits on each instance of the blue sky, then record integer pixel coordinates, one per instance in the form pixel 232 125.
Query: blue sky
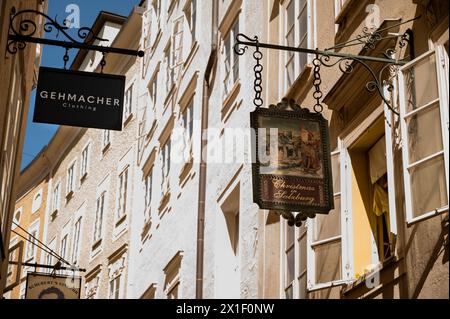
pixel 37 134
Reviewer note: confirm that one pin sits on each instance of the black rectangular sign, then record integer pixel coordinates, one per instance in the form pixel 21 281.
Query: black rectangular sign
pixel 77 98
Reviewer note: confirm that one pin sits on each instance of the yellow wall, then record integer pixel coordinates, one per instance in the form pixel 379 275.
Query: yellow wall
pixel 362 243
pixel 26 219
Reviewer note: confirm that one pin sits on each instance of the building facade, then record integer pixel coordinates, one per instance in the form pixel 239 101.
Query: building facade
pixel 27 227
pixel 90 186
pixel 18 76
pixel 164 209
pixel 372 244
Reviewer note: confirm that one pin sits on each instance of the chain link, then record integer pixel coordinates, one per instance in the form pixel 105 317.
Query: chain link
pixel 102 62
pixel 318 107
pixel 258 101
pixel 66 58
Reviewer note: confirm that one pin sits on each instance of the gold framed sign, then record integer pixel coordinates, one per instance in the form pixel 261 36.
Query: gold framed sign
pixel 47 286
pixel 292 164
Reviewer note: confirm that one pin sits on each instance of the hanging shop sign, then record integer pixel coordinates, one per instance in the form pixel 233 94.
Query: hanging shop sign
pixel 292 168
pixel 76 98
pixel 47 286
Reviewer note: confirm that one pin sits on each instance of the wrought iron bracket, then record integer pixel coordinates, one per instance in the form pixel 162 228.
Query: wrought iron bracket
pixel 23 32
pixel 344 61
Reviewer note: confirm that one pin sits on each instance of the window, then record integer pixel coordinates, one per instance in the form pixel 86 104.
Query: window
pixel 294 261
pixel 127 109
pixel 153 89
pixel 424 128
pixel 70 179
pixel 84 161
pixel 114 288
pixel 190 11
pixel 37 201
pixel 49 257
pixel 324 238
pixel 172 280
pixel 92 283
pixel 76 241
pixel 157 8
pixel 55 201
pixel 177 49
pixel 289 261
pixel 295 33
pixel 33 232
pixel 123 185
pixel 63 247
pixel 106 139
pixel 166 163
pixel 188 124
pixel 99 212
pixel 231 59
pixel 169 70
pixel 16 218
pixel 148 190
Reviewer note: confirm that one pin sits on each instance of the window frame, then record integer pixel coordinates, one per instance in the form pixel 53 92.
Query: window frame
pixel 34 227
pixel 76 240
pixel 85 161
pixel 115 286
pixel 442 67
pixel 345 236
pixel 35 208
pixel 299 234
pixel 123 189
pixel 128 102
pixel 228 54
pixel 99 227
pixel 310 40
pixel 70 182
pixel 56 197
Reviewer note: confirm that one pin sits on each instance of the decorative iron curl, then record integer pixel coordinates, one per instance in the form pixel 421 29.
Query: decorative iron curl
pixel 28 28
pixel 346 65
pixel 237 46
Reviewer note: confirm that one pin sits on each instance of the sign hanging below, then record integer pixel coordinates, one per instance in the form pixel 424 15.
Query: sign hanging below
pixel 46 286
pixel 292 169
pixel 78 98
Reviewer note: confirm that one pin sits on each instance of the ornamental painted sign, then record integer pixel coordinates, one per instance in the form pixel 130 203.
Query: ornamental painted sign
pixel 292 168
pixel 46 286
pixel 77 98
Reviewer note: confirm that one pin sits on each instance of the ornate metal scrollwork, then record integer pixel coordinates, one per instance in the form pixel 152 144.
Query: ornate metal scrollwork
pixel 346 65
pixel 28 28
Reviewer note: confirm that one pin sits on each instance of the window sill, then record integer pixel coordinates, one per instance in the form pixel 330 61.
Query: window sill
pixel 151 131
pixel 127 119
pixel 145 230
pixel 96 245
pixel 106 148
pixel 69 196
pixel 83 178
pixel 352 287
pixel 229 99
pixel 185 171
pixel 164 201
pixel 54 215
pixel 121 220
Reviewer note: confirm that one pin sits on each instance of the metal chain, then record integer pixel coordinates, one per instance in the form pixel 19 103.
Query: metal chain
pixel 318 107
pixel 102 62
pixel 258 101
pixel 66 58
